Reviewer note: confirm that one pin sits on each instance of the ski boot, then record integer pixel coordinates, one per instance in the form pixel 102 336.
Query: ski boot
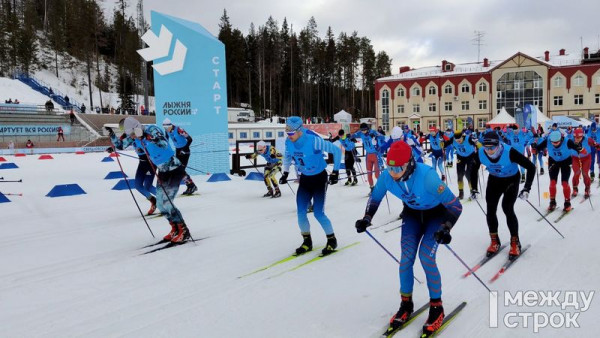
pixel 575 192
pixel 348 182
pixel 541 171
pixel 152 200
pixel 552 205
pixel 182 235
pixel 474 194
pixel 436 317
pixel 494 246
pixel 586 195
pixel 567 207
pixel 330 246
pixel 443 178
pixel 403 315
pixel 306 245
pixel 171 234
pixel 522 178
pixel 269 192
pixel 277 193
pixel 592 175
pixel 355 181
pixel 191 188
pixel 515 248
pixel 310 208
pixel 461 194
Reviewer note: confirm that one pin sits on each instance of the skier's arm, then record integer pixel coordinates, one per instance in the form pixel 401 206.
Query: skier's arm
pixel 435 186
pixel 328 147
pixel 377 195
pixel 121 142
pixel 571 145
pixel 385 146
pixel 520 159
pixel 275 155
pixel 287 158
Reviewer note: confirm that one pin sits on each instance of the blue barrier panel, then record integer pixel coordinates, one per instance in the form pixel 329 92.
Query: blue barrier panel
pixel 107 159
pixel 65 190
pixel 3 199
pixel 219 178
pixel 9 165
pixel 255 176
pixel 122 185
pixel 114 175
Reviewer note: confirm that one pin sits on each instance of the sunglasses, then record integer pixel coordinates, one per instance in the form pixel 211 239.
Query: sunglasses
pixel 490 148
pixel 398 170
pixel 291 131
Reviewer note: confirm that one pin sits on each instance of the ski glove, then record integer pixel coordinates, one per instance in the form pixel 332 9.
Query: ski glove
pixel 358 159
pixel 333 178
pixel 524 194
pixel 110 150
pixel 248 156
pixel 284 176
pixel 362 224
pixel 111 133
pixel 443 236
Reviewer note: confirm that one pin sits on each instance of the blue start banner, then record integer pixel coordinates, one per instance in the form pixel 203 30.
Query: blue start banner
pixel 190 87
pixel 33 130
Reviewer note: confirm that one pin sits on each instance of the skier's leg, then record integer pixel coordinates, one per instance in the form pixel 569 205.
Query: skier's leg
pixel 411 234
pixel 508 206
pixel 427 252
pixel 142 171
pixel 371 160
pixel 493 192
pixel 565 171
pixel 319 202
pixel 303 198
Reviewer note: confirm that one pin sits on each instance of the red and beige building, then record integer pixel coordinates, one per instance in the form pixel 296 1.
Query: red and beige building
pixel 562 84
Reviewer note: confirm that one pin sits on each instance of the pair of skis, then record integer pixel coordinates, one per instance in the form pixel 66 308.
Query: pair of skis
pixel 164 244
pixel 505 266
pixel 390 332
pixel 561 216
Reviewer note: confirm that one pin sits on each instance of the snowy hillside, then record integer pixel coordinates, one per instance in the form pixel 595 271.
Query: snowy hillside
pixel 71 266
pixel 14 89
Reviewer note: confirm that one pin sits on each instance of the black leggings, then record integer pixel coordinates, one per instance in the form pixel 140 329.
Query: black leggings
pixel 470 166
pixel 349 163
pixel 509 186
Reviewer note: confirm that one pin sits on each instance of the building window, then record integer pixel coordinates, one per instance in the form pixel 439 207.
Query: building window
pixel 401 124
pixel 558 82
pixel 558 100
pixel 447 106
pixel 385 110
pixel 400 109
pixel 400 92
pixel 432 90
pixel 448 89
pixel 230 136
pixel 578 99
pixel 279 134
pixel 482 104
pixel 268 134
pixel 483 87
pixel 432 107
pixel 597 80
pixel 465 88
pixel 481 122
pixel 256 134
pixel 431 124
pixel 243 134
pixel 578 81
pixel 537 84
pixel 416 91
pixel 597 98
pixel 416 108
pixel 513 89
pixel 464 105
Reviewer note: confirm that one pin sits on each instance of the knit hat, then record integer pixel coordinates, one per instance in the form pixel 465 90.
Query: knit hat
pixel 555 136
pixel 399 154
pixel 130 125
pixel 261 144
pixel 491 139
pixel 364 126
pixel 167 122
pixel 396 133
pixel 293 123
pixel 578 132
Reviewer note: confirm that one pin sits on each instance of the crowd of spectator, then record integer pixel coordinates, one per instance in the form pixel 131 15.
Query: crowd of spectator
pixel 10 101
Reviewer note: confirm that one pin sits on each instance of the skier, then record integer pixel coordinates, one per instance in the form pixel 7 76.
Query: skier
pixel 143 174
pixel 430 212
pixel 582 161
pixel 306 149
pixel 349 155
pixel 467 162
pixel 273 158
pixel 592 133
pixel 169 171
pixel 502 161
pixel 372 159
pixel 449 147
pixel 538 156
pixel 559 160
pixel 436 141
pixel 182 141
pixel 518 140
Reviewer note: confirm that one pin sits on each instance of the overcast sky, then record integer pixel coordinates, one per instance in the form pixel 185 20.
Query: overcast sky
pixel 418 33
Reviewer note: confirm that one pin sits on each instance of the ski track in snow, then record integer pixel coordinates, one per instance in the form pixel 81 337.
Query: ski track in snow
pixel 72 267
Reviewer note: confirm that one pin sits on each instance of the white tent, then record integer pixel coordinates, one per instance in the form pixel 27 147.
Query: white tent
pixel 342 117
pixel 502 119
pixel 541 117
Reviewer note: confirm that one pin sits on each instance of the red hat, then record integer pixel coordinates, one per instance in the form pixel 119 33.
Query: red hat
pixel 578 132
pixel 398 154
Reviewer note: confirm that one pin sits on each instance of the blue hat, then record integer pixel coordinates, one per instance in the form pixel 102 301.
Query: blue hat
pixel 555 136
pixel 293 123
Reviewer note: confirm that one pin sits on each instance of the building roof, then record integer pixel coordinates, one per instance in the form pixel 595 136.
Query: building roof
pixel 477 67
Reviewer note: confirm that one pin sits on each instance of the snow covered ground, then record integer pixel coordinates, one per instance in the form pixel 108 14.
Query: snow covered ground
pixel 71 265
pixel 15 89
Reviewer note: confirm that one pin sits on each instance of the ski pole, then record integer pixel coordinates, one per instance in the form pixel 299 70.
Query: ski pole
pixel 137 158
pixel 590 199
pixel 479 204
pixel 466 266
pixel 11 194
pixel 389 253
pixel 132 196
pixel 537 176
pixel 388 204
pixel 544 217
pixel 19 181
